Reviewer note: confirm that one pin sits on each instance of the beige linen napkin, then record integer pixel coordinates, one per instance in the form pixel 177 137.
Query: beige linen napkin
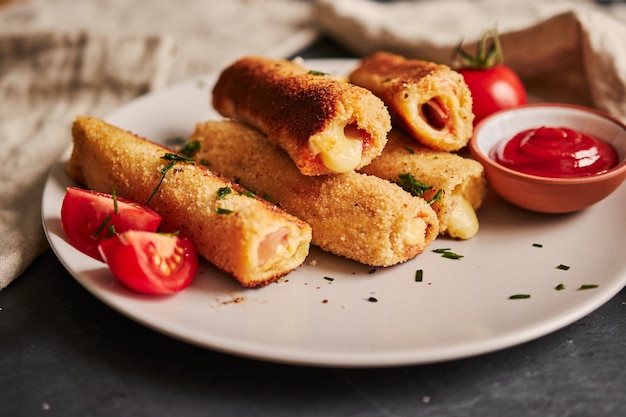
pixel 61 58
pixel 209 34
pixel 46 79
pixel 570 51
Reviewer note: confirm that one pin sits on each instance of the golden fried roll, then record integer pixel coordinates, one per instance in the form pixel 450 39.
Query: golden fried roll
pixel 239 233
pixel 325 125
pixel 460 181
pixel 357 216
pixel 429 101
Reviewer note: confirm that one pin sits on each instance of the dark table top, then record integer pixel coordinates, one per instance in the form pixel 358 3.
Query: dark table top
pixel 64 353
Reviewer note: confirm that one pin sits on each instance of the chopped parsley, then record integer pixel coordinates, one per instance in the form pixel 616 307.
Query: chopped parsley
pixel 411 185
pixel 190 148
pixel 329 278
pixel 372 299
pixel 409 150
pixel 223 192
pixel 560 287
pixel 314 72
pixel 537 245
pixel 562 267
pixel 220 210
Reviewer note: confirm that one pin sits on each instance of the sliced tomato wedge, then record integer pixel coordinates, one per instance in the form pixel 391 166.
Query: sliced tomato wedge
pixel 88 217
pixel 151 263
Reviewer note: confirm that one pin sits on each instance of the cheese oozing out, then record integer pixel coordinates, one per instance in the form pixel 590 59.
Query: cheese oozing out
pixel 463 222
pixel 415 234
pixel 339 147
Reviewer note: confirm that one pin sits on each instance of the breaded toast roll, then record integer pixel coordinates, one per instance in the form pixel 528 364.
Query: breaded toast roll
pixel 326 126
pixel 460 181
pixel 429 101
pixel 357 216
pixel 239 233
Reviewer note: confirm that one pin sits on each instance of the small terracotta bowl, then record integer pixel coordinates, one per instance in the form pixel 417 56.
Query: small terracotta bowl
pixel 543 194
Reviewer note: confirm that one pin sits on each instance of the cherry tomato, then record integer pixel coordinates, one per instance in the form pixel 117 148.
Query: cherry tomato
pixel 88 217
pixel 493 89
pixel 493 85
pixel 151 263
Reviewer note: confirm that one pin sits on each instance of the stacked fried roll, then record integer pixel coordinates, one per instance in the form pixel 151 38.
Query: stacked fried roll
pixel 325 125
pixel 357 216
pixel 429 101
pixel 239 233
pixel 458 184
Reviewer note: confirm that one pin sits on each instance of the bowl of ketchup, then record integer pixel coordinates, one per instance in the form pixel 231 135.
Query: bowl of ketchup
pixel 551 158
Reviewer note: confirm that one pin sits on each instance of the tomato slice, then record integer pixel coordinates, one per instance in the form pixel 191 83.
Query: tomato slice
pixel 151 263
pixel 84 216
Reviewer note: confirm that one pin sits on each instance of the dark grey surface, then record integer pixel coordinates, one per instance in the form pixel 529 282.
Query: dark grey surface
pixel 64 353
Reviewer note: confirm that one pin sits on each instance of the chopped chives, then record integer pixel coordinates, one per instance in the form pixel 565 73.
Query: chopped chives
pixel 519 296
pixel 587 286
pixel 419 275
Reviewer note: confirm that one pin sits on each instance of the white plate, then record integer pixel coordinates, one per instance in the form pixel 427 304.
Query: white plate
pixel 461 308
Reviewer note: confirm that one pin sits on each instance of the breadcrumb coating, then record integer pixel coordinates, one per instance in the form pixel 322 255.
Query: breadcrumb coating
pixel 240 234
pixel 357 216
pixel 292 104
pixel 429 101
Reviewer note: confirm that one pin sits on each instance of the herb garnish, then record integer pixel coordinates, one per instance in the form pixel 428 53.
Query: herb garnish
pixel 314 72
pixel 220 210
pixel 329 278
pixel 419 275
pixel 587 287
pixel 436 197
pixel 223 192
pixel 519 296
pixel 247 193
pixel 104 224
pixel 411 151
pixel 174 158
pixel 190 148
pixel 560 287
pixel 415 187
pixel 563 267
pixel 446 253
pixel 107 219
pixel 412 185
pixel 538 245
pixel 372 299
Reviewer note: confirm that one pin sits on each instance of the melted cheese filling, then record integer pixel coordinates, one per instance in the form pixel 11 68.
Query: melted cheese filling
pixel 463 222
pixel 339 148
pixel 415 234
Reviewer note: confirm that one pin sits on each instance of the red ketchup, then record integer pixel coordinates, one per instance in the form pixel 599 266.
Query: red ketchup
pixel 555 152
